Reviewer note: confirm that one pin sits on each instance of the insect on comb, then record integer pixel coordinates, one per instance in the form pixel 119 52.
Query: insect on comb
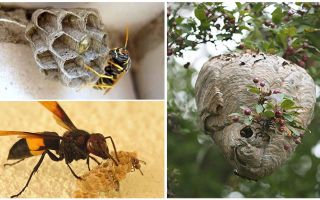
pixel 118 64
pixel 75 144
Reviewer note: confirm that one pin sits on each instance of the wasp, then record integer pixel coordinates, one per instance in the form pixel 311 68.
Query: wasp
pixel 75 144
pixel 118 64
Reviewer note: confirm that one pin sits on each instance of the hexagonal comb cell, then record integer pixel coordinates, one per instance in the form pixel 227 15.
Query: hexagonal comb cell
pixel 68 38
pixel 34 37
pixel 47 21
pixel 92 21
pixel 65 46
pixel 74 67
pixel 47 60
pixel 70 23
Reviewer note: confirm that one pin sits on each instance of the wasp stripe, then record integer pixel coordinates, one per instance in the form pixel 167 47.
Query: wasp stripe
pixel 36 146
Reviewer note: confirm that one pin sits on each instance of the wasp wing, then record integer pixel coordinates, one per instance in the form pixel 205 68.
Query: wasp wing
pixel 59 115
pixel 22 134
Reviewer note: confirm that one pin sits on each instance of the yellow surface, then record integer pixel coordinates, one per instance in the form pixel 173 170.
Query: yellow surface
pixel 134 126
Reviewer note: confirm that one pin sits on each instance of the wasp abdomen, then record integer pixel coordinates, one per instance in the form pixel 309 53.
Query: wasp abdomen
pixel 19 150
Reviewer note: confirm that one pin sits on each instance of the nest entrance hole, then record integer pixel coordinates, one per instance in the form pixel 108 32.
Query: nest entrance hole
pixel 246 132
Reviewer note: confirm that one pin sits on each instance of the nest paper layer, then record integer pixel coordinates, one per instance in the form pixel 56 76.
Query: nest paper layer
pixel 221 90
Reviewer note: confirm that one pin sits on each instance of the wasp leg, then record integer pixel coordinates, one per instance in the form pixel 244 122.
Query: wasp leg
pixel 95 160
pixel 114 147
pixel 11 164
pixel 88 163
pixel 102 85
pixel 54 157
pixel 116 65
pixel 95 72
pixel 115 162
pixel 73 173
pixel 35 169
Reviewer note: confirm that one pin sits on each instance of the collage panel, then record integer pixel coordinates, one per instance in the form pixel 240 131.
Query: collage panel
pixel 82 50
pixel 243 99
pixel 64 139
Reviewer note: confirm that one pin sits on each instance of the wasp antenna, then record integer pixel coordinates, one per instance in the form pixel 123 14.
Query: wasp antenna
pixel 140 171
pixel 127 37
pixel 143 162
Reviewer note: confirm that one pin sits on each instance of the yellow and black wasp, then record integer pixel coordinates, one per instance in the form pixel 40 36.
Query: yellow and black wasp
pixel 75 144
pixel 118 64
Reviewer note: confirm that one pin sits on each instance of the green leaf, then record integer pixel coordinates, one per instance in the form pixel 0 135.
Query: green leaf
pixel 259 108
pixel 226 36
pixel 239 5
pixel 200 13
pixel 179 20
pixel 268 106
pixel 248 121
pixel 244 28
pixel 277 15
pixel 295 107
pixel 293 130
pixel 268 113
pixel 290 31
pixel 288 117
pixel 253 89
pixel 287 104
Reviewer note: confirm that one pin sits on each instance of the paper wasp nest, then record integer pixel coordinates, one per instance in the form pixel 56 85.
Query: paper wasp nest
pixel 63 40
pixel 221 90
pixel 104 180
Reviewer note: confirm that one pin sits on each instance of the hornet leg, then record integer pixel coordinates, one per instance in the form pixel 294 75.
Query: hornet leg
pixel 54 157
pixel 114 147
pixel 94 159
pixel 73 173
pixel 88 160
pixel 11 164
pixel 35 169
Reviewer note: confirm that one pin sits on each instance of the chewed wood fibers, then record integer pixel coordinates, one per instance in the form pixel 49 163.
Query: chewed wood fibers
pixel 105 179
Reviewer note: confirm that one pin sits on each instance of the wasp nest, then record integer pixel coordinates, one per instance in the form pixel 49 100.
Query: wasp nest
pixel 64 40
pixel 221 90
pixel 104 180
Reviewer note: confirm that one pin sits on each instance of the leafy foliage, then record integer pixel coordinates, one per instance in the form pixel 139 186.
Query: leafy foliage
pixel 273 111
pixel 290 30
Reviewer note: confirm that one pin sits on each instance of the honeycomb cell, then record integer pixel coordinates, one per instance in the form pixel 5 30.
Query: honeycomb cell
pixel 34 37
pixel 53 74
pixel 71 24
pixel 47 60
pixel 65 46
pixel 74 67
pixel 47 21
pixel 92 21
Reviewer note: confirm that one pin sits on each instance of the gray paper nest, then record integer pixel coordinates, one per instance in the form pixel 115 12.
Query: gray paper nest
pixel 63 40
pixel 221 90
